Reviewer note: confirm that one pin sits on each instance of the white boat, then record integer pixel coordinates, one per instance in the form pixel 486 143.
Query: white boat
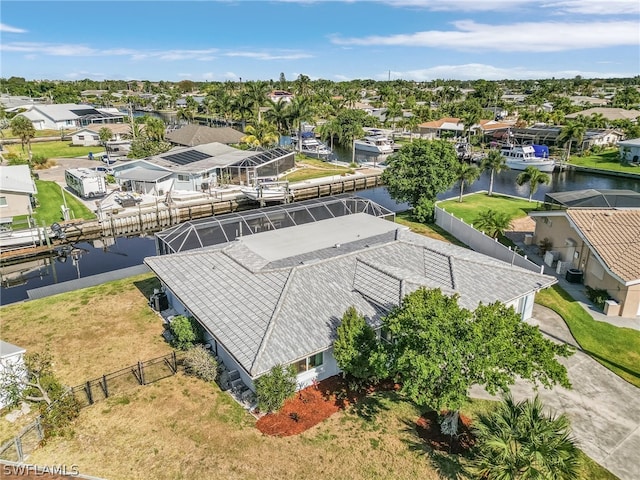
pixel 311 146
pixel 267 191
pixel 376 143
pixel 519 157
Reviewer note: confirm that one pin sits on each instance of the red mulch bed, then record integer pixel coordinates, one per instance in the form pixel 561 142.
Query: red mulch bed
pixel 428 428
pixel 312 405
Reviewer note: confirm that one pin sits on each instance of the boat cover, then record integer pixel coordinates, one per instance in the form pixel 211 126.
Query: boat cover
pixel 541 151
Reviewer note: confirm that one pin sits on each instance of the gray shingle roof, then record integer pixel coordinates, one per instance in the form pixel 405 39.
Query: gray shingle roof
pixel 268 312
pixel 192 135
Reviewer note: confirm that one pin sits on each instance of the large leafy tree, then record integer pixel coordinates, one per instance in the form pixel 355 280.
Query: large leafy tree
pixel 22 128
pixel 494 162
pixel 466 174
pixel 534 178
pixel 421 170
pixel 520 441
pixel 440 350
pixel 357 350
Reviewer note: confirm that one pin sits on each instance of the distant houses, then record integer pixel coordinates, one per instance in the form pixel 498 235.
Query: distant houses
pixel 193 135
pixel 68 116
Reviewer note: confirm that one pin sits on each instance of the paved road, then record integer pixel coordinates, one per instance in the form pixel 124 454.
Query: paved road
pixel 604 409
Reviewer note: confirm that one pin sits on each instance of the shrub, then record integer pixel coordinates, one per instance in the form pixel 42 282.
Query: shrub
pixel 57 417
pixel 273 388
pixel 423 212
pixel 199 362
pixel 544 245
pixel 598 296
pixel 186 332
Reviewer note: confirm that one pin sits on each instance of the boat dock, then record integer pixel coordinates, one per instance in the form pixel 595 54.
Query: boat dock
pixel 143 218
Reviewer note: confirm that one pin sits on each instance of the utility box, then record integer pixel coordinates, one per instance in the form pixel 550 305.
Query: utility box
pixel 611 308
pixel 551 257
pixel 528 238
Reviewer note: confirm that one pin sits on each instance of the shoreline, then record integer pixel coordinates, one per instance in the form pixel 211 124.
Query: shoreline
pixel 601 171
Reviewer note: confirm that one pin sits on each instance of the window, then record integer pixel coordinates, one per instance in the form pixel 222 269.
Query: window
pixel 80 137
pixel 309 363
pixel 183 178
pixel 3 201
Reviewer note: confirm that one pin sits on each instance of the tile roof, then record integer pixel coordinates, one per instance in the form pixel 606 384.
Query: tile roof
pixel 266 312
pixel 609 113
pixel 614 235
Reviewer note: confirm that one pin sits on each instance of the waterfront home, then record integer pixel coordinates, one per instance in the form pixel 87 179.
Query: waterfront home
pixel 17 189
pixel 630 151
pixel 90 135
pixel 67 116
pixel 601 245
pixel 200 168
pixel 277 296
pixel 454 127
pixel 549 134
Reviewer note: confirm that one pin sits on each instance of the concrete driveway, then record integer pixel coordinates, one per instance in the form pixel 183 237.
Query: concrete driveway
pixel 604 409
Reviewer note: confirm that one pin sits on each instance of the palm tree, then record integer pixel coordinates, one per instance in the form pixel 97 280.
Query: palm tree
pixel 572 131
pixel 257 92
pixel 492 222
pixel 520 441
pixel 262 135
pixel 22 128
pixel 300 111
pixel 468 120
pixel 242 107
pixel 278 114
pixel 466 174
pixel 534 178
pixel 155 129
pixel 494 162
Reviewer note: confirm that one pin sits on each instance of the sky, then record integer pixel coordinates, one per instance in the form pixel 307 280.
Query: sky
pixel 236 40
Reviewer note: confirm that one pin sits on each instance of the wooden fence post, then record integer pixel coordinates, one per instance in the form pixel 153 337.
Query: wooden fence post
pixel 141 373
pixel 87 389
pixel 175 361
pixel 18 443
pixel 105 387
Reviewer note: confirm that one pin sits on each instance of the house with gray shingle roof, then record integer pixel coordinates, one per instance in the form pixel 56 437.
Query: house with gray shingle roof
pixel 67 115
pixel 604 244
pixel 193 135
pixel 277 297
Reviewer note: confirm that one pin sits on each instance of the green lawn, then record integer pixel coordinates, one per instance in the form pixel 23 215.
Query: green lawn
pixel 50 199
pixel 428 230
pixel 616 348
pixel 472 204
pixel 309 168
pixel 608 160
pixel 55 149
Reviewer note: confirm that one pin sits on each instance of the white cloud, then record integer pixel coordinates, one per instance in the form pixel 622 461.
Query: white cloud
pixel 84 74
pixel 475 71
pixel 9 29
pixel 459 5
pixel 342 78
pixel 583 7
pixel 516 37
pixel 595 7
pixel 269 56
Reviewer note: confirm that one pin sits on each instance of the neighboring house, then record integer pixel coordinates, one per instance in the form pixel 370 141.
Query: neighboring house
pixel 90 136
pixel 68 116
pixel 200 168
pixel 11 362
pixel 603 244
pixel 15 101
pixel 193 135
pixel 16 191
pixel 278 296
pixel 609 113
pixel 280 96
pixel 592 198
pixel 548 135
pixel 630 150
pixel 584 101
pixel 454 127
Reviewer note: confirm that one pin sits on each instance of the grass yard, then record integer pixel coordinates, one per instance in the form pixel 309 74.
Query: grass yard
pixel 310 168
pixel 608 160
pixel 182 427
pixel 50 199
pixel 472 204
pixel 6 133
pixel 616 348
pixel 430 230
pixel 55 149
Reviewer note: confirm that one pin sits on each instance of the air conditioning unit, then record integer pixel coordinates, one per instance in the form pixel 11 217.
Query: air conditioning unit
pixel 204 186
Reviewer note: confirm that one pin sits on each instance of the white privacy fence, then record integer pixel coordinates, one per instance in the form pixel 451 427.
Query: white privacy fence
pixel 482 243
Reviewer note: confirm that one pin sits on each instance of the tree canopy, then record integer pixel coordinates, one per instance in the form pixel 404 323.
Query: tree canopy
pixel 421 170
pixel 440 350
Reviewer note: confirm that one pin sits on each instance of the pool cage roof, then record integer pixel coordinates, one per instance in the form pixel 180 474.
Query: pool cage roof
pixel 220 229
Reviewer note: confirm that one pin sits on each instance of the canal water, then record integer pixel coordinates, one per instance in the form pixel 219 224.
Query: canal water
pixel 90 259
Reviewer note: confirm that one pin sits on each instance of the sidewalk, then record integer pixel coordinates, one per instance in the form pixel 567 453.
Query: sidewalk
pixel 576 290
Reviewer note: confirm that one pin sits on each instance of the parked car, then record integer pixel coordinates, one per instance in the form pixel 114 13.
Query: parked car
pixel 108 160
pixel 105 170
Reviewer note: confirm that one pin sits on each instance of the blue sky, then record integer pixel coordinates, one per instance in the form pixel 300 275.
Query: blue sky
pixel 334 40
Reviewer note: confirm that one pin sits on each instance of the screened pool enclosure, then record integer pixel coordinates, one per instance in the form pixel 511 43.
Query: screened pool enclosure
pixel 220 229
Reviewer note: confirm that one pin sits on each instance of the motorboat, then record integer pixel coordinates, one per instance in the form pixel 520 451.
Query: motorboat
pixel 375 143
pixel 267 191
pixel 312 147
pixel 519 157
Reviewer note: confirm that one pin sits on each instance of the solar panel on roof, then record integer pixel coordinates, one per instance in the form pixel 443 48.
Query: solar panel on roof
pixel 184 158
